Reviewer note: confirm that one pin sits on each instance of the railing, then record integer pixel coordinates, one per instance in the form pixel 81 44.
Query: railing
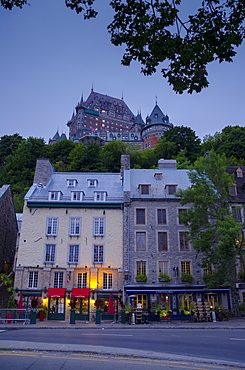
pixel 12 315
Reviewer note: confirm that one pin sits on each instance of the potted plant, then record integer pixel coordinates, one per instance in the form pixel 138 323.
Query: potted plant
pixel 187 278
pixel 42 313
pixel 141 278
pixel 164 277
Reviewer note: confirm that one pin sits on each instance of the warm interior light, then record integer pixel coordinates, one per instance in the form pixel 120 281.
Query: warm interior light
pixel 45 301
pixel 93 301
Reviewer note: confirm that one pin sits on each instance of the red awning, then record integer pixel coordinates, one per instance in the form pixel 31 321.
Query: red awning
pixel 56 292
pixel 80 293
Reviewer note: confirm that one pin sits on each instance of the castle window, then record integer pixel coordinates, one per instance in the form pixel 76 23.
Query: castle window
pixel 92 183
pixel 158 176
pixel 171 189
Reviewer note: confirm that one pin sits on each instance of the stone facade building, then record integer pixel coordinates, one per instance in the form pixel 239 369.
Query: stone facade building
pixel 8 230
pixel 157 253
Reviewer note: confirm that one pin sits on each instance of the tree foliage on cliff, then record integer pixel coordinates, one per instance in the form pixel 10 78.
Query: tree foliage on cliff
pixel 157 32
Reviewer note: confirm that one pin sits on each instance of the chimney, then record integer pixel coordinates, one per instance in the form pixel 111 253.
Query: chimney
pixel 167 163
pixel 125 163
pixel 43 172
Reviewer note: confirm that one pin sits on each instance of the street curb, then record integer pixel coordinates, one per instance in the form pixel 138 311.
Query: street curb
pixel 102 350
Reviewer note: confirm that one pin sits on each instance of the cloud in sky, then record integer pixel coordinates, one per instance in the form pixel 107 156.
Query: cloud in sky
pixel 50 56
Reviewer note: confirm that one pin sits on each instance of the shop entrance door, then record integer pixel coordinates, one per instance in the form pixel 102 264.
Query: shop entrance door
pixel 82 309
pixel 56 308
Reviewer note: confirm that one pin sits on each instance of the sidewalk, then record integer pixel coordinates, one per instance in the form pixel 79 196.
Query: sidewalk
pixel 236 323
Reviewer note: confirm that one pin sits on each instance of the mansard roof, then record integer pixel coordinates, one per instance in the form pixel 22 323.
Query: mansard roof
pixel 109 183
pixel 158 184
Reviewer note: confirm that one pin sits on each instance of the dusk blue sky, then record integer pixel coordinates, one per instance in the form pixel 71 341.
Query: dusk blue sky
pixel 50 56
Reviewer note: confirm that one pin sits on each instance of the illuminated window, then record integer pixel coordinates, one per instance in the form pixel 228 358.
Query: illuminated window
pixel 185 267
pixel 141 268
pixel 82 280
pixel 163 268
pixel 107 280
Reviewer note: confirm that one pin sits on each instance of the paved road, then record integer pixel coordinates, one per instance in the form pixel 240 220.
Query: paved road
pixel 217 345
pixel 71 361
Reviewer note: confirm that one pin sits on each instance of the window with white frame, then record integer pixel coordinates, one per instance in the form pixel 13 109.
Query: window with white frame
pixel 163 268
pixel 52 226
pixel 92 183
pixel 58 279
pixel 82 280
pixel 75 226
pixel 54 195
pixel 49 253
pixel 73 253
pixel 99 226
pixel 98 253
pixel 107 280
pixel 32 279
pixel 71 183
pixel 100 196
pixel 77 196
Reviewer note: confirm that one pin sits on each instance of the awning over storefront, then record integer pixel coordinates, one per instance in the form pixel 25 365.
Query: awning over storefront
pixel 56 292
pixel 172 291
pixel 80 293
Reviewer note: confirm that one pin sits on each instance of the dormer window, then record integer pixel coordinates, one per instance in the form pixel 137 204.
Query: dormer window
pixel 144 189
pixel 171 189
pixel 158 176
pixel 71 183
pixel 77 196
pixel 239 172
pixel 54 195
pixel 92 183
pixel 100 196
